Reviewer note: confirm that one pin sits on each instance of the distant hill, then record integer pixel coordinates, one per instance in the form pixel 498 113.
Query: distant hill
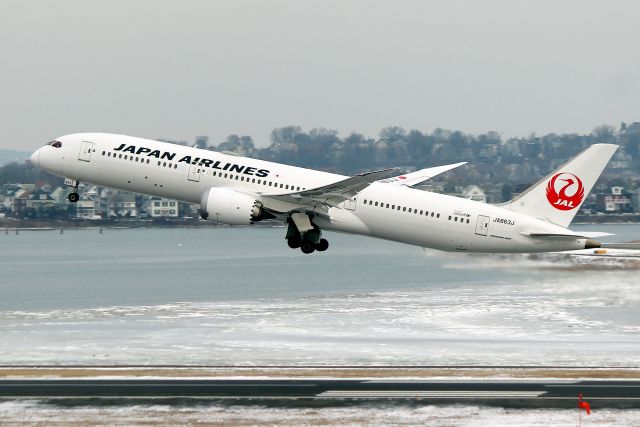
pixel 8 156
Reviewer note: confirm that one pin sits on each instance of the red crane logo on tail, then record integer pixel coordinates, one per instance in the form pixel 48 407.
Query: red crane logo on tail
pixel 568 193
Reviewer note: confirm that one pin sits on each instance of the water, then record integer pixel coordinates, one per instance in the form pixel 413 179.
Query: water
pixel 241 296
pixel 81 268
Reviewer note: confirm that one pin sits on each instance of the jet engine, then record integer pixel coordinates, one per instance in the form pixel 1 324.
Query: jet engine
pixel 230 207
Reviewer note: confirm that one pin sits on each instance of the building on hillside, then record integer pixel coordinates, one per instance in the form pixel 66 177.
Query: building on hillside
pixel 475 193
pixel 635 200
pixel 158 207
pixel 122 205
pixel 86 207
pixel 616 200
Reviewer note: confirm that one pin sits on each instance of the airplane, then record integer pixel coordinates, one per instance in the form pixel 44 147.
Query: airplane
pixel 237 190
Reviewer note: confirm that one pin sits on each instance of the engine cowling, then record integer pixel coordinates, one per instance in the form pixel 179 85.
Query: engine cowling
pixel 229 207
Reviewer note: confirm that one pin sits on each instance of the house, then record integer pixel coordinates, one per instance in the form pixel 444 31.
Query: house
pixel 158 207
pixel 635 200
pixel 475 193
pixel 86 207
pixel 614 200
pixel 122 204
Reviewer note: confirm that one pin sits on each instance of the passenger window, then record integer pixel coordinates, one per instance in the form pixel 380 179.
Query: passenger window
pixel 393 206
pixel 365 201
pixel 119 156
pixel 467 220
pixel 404 209
pixel 437 216
pixel 387 206
pixel 409 210
pixel 449 217
pixel 420 211
pixel 376 203
pixel 103 153
pixel 175 166
pixel 253 180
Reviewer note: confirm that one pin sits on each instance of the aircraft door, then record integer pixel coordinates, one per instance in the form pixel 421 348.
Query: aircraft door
pixel 482 226
pixel 86 148
pixel 194 172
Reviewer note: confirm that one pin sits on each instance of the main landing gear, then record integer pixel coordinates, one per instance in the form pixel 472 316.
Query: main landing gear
pixel 309 240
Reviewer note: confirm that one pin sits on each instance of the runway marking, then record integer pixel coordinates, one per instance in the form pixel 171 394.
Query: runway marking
pixel 431 394
pixel 593 386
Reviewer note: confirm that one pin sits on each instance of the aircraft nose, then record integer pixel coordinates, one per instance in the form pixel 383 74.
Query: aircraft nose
pixel 35 157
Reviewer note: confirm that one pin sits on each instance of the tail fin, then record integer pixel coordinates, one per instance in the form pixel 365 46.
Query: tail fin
pixel 557 197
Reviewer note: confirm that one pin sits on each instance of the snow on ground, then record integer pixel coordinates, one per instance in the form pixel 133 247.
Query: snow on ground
pixel 35 413
pixel 566 321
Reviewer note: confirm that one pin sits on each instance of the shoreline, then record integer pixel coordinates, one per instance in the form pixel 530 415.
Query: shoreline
pixel 317 372
pixel 16 224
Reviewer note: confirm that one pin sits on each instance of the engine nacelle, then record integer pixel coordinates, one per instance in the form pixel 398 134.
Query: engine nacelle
pixel 229 207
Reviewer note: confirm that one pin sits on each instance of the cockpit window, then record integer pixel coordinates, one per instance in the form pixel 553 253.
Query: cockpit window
pixel 56 144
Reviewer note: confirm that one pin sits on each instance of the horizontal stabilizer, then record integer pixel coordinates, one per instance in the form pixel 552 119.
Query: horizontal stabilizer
pixel 580 235
pixel 633 246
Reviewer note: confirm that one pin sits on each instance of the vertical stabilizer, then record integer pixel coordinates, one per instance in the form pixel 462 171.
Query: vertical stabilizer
pixel 557 197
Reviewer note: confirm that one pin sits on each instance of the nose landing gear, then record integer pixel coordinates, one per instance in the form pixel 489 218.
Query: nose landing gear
pixel 73 197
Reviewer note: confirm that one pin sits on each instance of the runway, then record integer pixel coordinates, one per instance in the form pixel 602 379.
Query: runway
pixel 505 393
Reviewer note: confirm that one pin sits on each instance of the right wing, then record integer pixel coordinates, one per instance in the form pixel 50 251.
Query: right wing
pixel 415 178
pixel 330 194
pixel 337 192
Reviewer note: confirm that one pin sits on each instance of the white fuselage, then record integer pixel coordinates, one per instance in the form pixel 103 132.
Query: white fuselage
pixel 381 210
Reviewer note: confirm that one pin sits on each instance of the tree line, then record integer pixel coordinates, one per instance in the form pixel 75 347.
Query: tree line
pixel 492 159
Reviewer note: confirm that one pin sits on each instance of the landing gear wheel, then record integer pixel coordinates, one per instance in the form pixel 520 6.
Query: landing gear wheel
pixel 293 242
pixel 307 247
pixel 74 197
pixel 322 245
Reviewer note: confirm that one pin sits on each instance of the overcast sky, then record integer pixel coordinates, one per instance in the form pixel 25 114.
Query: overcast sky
pixel 177 69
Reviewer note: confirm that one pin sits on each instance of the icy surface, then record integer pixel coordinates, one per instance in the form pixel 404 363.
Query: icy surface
pixel 35 413
pixel 381 303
